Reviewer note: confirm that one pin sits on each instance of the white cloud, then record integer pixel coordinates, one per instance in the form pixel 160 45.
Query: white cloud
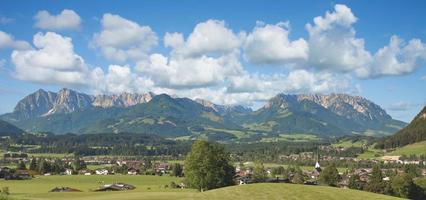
pixel 200 68
pixel 188 72
pixel 118 79
pixel 8 41
pixel 66 20
pixel 122 40
pixel 398 58
pixel 211 36
pixel 173 40
pixel 206 58
pixel 333 46
pixel 53 61
pixel 270 44
pixel 296 81
pixel 423 78
pixel 207 62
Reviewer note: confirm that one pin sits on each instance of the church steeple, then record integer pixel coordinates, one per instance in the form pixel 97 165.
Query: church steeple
pixel 317 165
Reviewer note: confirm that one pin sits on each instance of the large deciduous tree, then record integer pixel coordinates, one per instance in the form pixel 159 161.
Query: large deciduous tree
pixel 208 166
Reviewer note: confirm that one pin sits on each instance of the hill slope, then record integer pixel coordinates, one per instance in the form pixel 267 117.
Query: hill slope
pixel 418 148
pixel 38 189
pixel 289 192
pixel 8 129
pixel 412 133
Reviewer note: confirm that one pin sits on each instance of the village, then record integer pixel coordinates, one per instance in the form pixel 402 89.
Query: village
pixel 294 169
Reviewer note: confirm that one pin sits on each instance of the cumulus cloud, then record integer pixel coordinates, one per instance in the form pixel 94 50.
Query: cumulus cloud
pixel 211 36
pixel 398 57
pixel 296 81
pixel 8 41
pixel 208 56
pixel 118 79
pixel 52 61
pixel 269 44
pixel 66 20
pixel 122 40
pixel 333 46
pixel 208 62
pixel 190 72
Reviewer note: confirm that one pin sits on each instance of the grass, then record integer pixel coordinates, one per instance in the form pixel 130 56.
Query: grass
pixel 349 143
pixel 289 192
pixel 103 166
pixel 236 133
pixel 273 165
pixel 37 189
pixel 371 153
pixel 262 127
pixel 50 155
pixel 418 148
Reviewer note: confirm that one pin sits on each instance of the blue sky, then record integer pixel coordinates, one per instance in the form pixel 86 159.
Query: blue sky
pixel 238 52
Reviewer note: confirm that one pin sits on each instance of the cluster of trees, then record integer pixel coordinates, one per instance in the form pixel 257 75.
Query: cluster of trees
pixel 123 144
pixel 57 166
pixel 413 157
pixel 292 173
pixel 269 151
pixel 399 184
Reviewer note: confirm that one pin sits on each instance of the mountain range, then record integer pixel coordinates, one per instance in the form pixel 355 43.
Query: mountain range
pixel 321 115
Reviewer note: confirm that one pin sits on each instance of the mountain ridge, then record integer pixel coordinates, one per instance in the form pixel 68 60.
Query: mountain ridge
pixel 318 114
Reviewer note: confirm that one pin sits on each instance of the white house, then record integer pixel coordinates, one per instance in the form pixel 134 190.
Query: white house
pixel 68 171
pixel 101 172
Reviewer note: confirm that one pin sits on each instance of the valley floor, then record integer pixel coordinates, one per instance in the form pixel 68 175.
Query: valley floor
pixel 152 187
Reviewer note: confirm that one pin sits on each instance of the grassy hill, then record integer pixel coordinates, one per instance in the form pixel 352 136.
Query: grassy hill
pixel 418 148
pixel 152 187
pixel 290 192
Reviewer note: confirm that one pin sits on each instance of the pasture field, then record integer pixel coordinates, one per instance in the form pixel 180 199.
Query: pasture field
pixel 418 148
pixel 39 187
pixel 349 143
pixel 273 165
pixel 152 187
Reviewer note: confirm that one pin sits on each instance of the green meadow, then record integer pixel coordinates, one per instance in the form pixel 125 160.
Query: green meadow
pixel 152 187
pixel 418 148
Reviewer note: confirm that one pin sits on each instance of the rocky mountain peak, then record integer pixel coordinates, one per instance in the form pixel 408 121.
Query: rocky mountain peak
pixel 223 109
pixel 43 103
pixel 351 107
pixel 35 104
pixel 122 100
pixel 69 101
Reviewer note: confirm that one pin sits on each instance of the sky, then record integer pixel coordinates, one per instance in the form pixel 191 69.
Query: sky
pixel 227 52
